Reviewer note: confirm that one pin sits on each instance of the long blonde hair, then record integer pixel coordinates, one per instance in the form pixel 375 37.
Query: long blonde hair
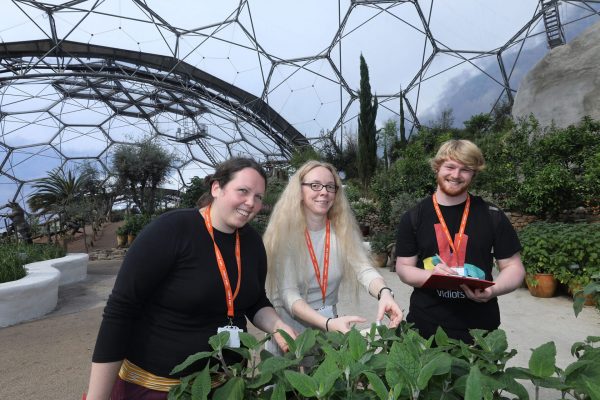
pixel 284 237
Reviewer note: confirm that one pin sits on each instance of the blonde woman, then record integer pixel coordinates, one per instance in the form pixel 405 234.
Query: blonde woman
pixel 313 245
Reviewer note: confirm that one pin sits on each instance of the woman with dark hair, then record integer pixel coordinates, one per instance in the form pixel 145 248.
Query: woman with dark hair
pixel 189 274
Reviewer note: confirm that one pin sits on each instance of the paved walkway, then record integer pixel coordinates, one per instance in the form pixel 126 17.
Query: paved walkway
pixel 50 358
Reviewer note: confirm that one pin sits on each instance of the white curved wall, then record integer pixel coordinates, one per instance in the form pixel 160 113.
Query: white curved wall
pixel 37 293
pixel 72 267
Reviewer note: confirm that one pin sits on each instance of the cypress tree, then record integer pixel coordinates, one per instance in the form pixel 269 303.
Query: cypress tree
pixel 403 139
pixel 367 132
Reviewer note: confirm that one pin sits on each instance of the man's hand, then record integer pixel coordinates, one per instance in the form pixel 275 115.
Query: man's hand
pixel 478 295
pixel 443 269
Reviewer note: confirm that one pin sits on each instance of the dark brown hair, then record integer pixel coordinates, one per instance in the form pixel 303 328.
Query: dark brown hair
pixel 225 172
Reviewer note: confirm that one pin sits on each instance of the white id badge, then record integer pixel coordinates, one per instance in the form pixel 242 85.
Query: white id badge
pixel 326 311
pixel 234 335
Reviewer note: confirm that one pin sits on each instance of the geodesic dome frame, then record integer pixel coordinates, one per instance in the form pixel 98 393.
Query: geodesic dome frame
pixel 78 77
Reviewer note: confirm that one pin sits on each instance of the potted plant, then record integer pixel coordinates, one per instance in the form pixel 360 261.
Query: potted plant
pixel 134 225
pixel 121 236
pixel 580 279
pixel 590 291
pixel 363 208
pixel 539 259
pixel 380 247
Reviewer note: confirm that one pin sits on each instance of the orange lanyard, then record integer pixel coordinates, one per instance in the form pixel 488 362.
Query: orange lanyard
pixel 230 297
pixel 463 223
pixel 313 257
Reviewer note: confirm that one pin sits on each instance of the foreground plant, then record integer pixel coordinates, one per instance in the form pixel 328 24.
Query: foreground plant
pixel 387 364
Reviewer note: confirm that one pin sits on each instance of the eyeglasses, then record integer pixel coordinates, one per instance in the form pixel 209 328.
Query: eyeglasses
pixel 317 187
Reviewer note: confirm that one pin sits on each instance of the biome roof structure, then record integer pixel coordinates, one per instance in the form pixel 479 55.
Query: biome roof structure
pixel 209 80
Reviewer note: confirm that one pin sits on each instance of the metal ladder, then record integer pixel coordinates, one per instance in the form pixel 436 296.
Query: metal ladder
pixel 554 31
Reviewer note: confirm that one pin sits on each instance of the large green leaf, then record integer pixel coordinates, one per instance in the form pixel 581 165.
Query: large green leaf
pixel 201 386
pixel 441 339
pixel 248 340
pixel 218 341
pixel 259 381
pixel 357 344
pixel 396 391
pixel 473 390
pixel 232 390
pixel 326 384
pixel 278 392
pixel 327 368
pixel 496 341
pixel 543 360
pixel 288 339
pixel 305 342
pixel 306 385
pixel 192 359
pixel 275 364
pixel 439 365
pixel 593 389
pixel 176 392
pixel 377 385
pixel 512 385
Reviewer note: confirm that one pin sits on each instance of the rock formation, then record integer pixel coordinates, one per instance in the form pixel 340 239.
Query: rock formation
pixel 565 85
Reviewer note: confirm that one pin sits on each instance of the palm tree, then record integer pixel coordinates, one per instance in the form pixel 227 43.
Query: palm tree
pixel 61 195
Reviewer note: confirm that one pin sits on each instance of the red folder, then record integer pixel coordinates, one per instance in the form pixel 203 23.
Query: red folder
pixel 453 282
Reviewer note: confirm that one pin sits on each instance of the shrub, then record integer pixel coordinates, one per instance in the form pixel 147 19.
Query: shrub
pixel 401 203
pixel 13 257
pixel 591 289
pixel 570 252
pixel 194 190
pixel 122 230
pixel 380 241
pixel 352 191
pixel 362 208
pixel 135 223
pixel 548 191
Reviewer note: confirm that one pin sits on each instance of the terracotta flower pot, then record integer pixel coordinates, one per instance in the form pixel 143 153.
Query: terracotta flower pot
pixel 380 259
pixel 130 239
pixel 121 240
pixel 589 299
pixel 542 285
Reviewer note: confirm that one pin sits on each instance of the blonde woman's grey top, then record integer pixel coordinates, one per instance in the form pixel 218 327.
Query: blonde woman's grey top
pixel 296 279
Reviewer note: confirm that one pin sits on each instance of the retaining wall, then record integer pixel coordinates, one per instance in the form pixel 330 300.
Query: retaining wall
pixel 37 293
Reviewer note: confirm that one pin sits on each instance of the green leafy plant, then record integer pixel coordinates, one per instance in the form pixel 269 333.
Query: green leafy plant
pixel 579 380
pixel 123 230
pixel 385 364
pixel 362 208
pixel 135 223
pixel 380 242
pixel 13 257
pixel 568 251
pixel 591 289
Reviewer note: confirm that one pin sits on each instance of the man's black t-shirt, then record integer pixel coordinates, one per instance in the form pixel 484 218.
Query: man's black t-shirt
pixel 487 236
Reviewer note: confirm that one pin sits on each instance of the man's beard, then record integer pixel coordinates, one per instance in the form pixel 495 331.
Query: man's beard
pixel 451 190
